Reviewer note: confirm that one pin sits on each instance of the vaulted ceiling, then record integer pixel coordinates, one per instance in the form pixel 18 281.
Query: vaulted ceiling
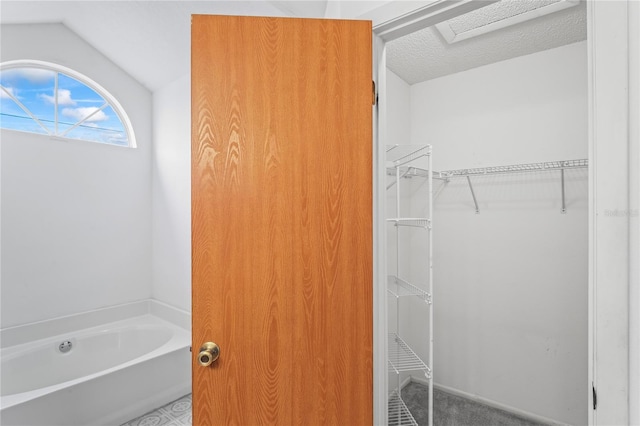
pixel 151 39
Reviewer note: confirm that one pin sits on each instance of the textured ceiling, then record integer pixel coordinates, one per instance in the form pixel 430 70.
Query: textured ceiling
pixel 425 55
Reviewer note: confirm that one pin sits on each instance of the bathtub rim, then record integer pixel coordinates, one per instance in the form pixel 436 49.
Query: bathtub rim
pixel 180 340
pixel 23 333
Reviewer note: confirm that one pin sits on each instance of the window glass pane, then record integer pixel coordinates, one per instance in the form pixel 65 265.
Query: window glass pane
pixel 29 95
pixel 33 87
pixel 13 117
pixel 75 102
pixel 107 128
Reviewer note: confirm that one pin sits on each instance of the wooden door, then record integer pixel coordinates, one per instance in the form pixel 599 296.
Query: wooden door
pixel 282 220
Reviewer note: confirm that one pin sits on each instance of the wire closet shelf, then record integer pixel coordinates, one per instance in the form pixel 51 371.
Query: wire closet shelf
pixel 399 414
pixel 447 176
pixel 403 358
pixel 399 155
pixel 514 168
pixel 401 288
pixel 411 171
pixel 406 161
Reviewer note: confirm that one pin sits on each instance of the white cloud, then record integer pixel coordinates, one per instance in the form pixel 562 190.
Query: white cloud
pixel 80 113
pixel 3 94
pixel 64 98
pixel 34 75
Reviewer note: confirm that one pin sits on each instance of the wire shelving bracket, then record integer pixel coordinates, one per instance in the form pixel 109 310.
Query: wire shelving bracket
pixel 515 168
pixel 416 222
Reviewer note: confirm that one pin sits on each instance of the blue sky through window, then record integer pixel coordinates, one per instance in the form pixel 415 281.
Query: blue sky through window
pixel 81 112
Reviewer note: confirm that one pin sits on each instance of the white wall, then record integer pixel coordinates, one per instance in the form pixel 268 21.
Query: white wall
pixel 529 109
pixel 172 194
pixel 398 109
pixel 634 201
pixel 76 231
pixel 511 282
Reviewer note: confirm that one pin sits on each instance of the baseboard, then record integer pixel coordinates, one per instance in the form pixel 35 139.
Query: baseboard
pixel 485 401
pixel 410 379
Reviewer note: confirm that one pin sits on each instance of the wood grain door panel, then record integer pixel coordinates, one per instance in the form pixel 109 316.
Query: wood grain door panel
pixel 282 220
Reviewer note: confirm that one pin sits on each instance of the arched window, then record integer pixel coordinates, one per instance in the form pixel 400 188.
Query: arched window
pixel 49 99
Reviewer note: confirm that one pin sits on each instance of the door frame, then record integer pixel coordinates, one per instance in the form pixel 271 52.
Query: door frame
pixel 380 380
pixel 613 173
pixel 611 183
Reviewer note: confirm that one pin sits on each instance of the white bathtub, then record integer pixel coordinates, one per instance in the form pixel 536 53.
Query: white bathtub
pixel 112 373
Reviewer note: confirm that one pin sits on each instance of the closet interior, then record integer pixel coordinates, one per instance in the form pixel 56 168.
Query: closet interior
pixel 500 263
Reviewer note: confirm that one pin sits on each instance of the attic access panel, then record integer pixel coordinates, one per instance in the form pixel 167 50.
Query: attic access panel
pixel 497 15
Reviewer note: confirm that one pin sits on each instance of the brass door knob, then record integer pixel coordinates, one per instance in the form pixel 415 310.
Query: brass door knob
pixel 209 352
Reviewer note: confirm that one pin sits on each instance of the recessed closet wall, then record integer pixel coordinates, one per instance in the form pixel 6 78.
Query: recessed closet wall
pixel 171 194
pixel 510 282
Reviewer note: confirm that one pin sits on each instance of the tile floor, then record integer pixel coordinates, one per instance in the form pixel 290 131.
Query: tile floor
pixel 176 413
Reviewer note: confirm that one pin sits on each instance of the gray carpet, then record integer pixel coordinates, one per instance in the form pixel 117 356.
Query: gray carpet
pixel 452 410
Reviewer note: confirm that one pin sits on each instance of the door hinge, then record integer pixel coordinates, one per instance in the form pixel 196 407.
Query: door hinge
pixel 595 396
pixel 374 96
